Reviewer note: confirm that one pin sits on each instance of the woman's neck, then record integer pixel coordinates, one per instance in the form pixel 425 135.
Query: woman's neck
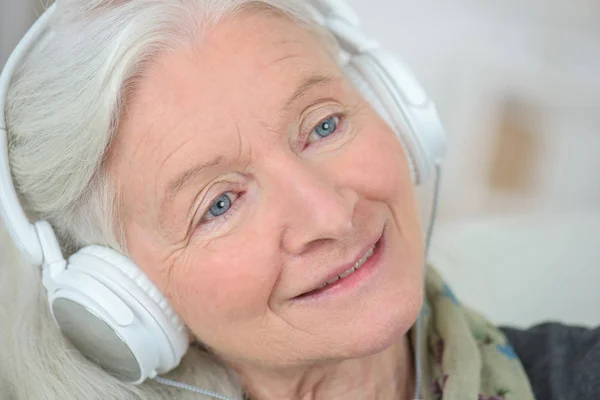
pixel 386 375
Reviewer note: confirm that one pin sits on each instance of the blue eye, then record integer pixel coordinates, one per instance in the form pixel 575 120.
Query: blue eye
pixel 327 127
pixel 221 209
pixel 220 206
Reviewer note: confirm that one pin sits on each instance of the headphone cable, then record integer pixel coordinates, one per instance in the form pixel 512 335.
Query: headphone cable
pixel 419 323
pixel 191 388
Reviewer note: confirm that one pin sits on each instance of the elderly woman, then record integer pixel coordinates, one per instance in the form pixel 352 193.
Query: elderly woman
pixel 239 218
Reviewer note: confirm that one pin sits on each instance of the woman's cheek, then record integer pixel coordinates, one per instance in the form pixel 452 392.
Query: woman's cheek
pixel 383 166
pixel 226 281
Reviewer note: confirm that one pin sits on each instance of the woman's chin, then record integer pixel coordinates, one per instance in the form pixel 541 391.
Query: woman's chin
pixel 378 338
pixel 375 332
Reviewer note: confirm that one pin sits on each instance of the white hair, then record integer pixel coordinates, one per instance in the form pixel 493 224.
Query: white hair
pixel 63 110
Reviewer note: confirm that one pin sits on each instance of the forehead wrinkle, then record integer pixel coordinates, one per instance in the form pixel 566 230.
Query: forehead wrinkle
pixel 159 194
pixel 308 80
pixel 289 53
pixel 241 147
pixel 283 58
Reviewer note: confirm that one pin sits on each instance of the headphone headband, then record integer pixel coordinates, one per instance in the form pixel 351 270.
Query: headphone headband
pixel 24 234
pixel 336 9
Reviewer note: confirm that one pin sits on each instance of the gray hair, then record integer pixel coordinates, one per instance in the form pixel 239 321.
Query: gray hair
pixel 63 111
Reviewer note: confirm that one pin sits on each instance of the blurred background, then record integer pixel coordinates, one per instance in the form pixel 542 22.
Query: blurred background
pixel 517 85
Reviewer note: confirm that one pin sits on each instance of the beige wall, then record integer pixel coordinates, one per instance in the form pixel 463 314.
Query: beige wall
pixel 517 85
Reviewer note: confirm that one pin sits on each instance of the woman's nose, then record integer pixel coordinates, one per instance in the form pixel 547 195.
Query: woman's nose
pixel 317 209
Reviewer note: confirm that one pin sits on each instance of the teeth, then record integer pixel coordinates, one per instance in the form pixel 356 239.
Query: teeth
pixel 329 282
pixel 350 270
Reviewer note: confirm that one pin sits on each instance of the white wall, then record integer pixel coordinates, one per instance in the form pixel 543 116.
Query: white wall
pixel 15 18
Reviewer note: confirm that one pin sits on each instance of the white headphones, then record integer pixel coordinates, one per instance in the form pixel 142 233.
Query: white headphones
pixel 103 302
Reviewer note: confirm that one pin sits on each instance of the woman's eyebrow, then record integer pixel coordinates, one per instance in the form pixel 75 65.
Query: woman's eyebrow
pixel 306 84
pixel 185 178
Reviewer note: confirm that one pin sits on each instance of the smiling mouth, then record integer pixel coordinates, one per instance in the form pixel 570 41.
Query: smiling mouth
pixel 344 274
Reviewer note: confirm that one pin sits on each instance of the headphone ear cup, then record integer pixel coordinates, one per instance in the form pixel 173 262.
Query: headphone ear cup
pixel 115 316
pixel 369 94
pixel 133 272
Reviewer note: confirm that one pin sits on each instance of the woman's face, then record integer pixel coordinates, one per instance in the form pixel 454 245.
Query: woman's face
pixel 250 172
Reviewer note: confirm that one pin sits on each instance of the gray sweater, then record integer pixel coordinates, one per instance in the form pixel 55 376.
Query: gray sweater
pixel 562 362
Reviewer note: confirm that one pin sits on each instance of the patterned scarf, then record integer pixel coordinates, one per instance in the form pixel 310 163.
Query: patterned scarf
pixel 464 356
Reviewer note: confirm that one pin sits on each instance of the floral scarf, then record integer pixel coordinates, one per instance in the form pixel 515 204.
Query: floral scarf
pixel 464 356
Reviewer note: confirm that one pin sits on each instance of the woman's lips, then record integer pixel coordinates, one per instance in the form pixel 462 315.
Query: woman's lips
pixel 351 279
pixel 347 272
